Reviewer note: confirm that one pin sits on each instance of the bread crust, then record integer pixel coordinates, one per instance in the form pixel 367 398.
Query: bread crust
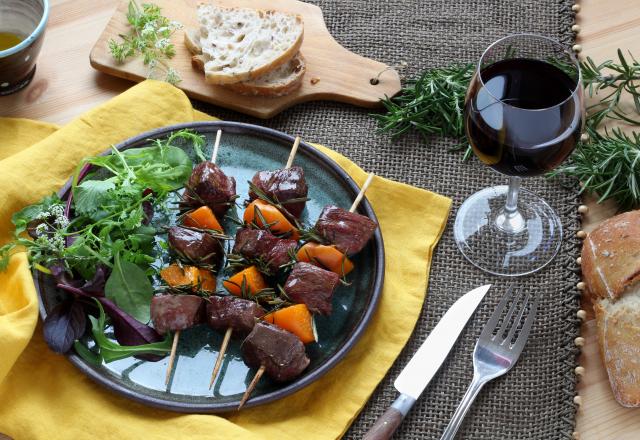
pixel 191 41
pixel 611 271
pixel 251 88
pixel 611 256
pixel 619 336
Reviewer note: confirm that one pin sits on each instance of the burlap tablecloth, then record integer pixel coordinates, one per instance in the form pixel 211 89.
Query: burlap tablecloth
pixel 535 400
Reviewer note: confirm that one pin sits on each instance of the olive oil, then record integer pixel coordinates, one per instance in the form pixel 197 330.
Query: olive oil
pixel 8 40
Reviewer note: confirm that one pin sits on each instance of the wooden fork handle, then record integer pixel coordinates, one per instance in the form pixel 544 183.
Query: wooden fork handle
pixel 388 422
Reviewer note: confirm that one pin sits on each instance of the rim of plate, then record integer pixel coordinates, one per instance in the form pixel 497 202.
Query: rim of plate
pixel 374 295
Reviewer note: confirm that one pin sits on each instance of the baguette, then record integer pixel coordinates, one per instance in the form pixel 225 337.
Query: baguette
pixel 243 44
pixel 611 271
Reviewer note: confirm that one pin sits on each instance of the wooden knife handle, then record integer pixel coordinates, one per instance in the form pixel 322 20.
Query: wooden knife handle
pixel 385 426
pixel 388 422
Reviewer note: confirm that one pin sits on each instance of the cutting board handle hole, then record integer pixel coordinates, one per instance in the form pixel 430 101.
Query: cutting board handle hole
pixel 376 79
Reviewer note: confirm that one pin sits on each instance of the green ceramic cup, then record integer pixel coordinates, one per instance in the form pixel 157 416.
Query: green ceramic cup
pixel 26 19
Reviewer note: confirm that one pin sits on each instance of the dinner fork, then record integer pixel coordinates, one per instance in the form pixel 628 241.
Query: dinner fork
pixel 497 349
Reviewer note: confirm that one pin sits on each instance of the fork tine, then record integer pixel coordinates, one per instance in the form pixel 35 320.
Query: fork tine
pixel 517 321
pixel 490 326
pixel 512 309
pixel 526 327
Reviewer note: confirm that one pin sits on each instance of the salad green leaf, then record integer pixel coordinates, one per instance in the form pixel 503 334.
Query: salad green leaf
pixel 91 194
pixel 129 287
pixel 112 351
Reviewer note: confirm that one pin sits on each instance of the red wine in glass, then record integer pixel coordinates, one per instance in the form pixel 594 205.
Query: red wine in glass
pixel 516 142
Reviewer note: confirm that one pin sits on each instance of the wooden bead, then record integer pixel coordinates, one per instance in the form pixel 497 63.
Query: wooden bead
pixel 577 400
pixel 579 341
pixel 575 8
pixel 579 370
pixel 579 260
pixel 583 209
pixel 581 285
pixel 581 234
pixel 581 314
pixel 575 28
pixel 576 435
pixel 577 48
pixel 584 137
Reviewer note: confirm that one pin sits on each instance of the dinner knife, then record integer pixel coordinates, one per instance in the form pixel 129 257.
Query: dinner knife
pixel 417 374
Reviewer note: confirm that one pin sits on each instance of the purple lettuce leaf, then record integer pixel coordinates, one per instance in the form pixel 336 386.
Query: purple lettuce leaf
pixel 126 329
pixel 66 323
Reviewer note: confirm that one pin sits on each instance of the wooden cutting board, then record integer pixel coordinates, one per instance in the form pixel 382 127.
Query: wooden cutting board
pixel 333 72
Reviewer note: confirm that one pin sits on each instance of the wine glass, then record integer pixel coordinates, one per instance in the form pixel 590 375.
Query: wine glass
pixel 524 111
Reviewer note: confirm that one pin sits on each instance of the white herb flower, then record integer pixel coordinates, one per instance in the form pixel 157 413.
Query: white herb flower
pixel 58 241
pixel 57 211
pixel 62 221
pixel 148 29
pixel 43 215
pixel 175 25
pixel 41 229
pixel 162 43
pixel 172 76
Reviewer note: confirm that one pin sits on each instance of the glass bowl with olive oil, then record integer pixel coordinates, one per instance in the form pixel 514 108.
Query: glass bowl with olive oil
pixel 22 28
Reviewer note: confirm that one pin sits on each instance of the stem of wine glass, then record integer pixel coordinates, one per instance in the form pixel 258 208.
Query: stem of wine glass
pixel 509 220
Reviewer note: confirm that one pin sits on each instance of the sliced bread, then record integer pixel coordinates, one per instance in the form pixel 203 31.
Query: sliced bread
pixel 611 270
pixel 283 80
pixel 243 44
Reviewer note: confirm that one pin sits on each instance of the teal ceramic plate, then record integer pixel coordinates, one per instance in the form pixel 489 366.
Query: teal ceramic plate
pixel 245 149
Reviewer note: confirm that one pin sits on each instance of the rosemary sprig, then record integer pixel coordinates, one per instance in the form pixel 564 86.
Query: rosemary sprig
pixel 608 164
pixel 150 37
pixel 432 105
pixel 275 202
pixel 615 80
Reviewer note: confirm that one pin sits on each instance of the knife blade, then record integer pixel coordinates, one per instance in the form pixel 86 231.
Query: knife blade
pixel 426 362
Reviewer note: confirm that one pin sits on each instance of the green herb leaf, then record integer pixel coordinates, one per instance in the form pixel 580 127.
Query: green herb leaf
pixel 39 210
pixel 150 37
pixel 89 196
pixel 129 287
pixel 112 351
pixel 86 354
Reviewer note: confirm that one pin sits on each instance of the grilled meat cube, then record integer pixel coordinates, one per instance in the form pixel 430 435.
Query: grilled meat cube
pixel 225 312
pixel 283 186
pixel 281 352
pixel 176 312
pixel 258 243
pixel 196 246
pixel 312 286
pixel 208 185
pixel 349 231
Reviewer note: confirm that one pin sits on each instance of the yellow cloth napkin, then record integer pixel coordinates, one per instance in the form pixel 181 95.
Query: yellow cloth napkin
pixel 43 396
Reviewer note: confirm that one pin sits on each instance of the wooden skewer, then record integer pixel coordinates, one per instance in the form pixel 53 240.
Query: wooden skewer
pixel 176 336
pixel 251 386
pixel 172 358
pixel 223 349
pixel 293 152
pixel 216 145
pixel 364 188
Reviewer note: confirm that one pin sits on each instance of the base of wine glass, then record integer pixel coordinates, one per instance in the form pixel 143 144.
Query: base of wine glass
pixel 482 238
